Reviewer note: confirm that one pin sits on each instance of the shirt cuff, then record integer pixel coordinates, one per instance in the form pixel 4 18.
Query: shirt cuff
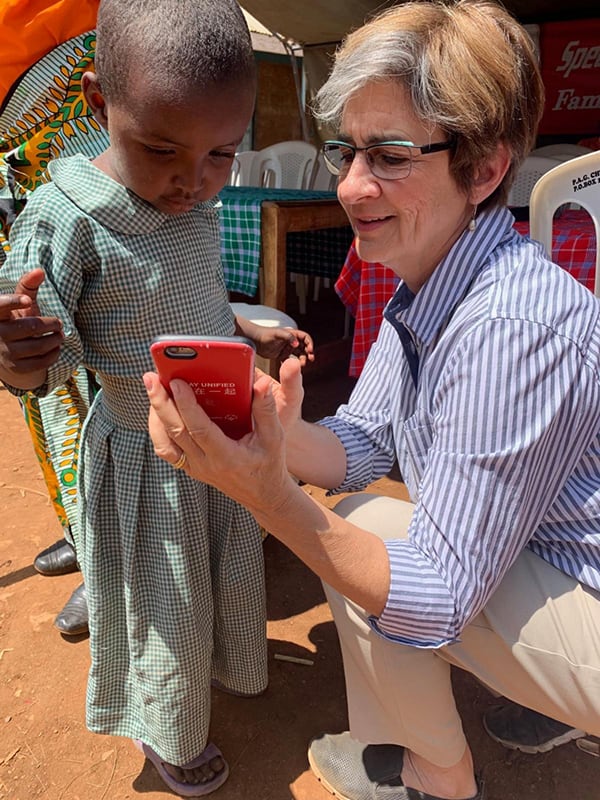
pixel 408 641
pixel 420 610
pixel 364 463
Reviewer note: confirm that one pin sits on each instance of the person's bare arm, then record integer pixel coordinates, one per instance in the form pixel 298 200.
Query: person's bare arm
pixel 352 560
pixel 278 343
pixel 254 472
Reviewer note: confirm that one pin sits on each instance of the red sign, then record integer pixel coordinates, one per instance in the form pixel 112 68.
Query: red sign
pixel 570 61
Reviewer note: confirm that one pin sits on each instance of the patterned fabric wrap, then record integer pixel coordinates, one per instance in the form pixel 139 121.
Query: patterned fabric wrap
pixel 46 116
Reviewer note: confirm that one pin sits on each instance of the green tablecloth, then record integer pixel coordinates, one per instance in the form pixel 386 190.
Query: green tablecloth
pixel 314 252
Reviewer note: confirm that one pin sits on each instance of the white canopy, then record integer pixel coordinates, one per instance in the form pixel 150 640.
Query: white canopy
pixel 319 25
pixel 322 22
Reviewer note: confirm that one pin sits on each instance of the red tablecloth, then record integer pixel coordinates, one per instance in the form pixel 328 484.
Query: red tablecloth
pixel 365 288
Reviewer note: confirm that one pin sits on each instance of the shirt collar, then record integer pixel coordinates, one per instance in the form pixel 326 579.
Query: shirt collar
pixel 108 202
pixel 426 312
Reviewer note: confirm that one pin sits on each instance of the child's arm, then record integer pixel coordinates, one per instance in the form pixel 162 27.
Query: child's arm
pixel 29 343
pixel 276 343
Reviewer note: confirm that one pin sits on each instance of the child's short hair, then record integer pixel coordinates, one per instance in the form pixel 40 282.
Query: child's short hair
pixel 179 45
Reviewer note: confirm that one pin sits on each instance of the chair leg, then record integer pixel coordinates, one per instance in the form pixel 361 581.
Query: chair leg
pixel 316 288
pixel 301 282
pixel 346 324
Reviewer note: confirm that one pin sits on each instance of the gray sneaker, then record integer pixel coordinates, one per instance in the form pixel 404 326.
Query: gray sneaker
pixel 355 771
pixel 520 728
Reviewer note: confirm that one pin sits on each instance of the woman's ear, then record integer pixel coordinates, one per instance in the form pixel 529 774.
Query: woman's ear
pixel 95 98
pixel 490 173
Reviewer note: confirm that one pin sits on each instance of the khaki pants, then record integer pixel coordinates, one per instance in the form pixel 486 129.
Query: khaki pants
pixel 536 642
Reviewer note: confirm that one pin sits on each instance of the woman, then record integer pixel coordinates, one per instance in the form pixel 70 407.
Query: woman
pixel 483 383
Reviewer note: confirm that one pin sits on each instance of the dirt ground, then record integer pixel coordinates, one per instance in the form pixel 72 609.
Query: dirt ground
pixel 46 751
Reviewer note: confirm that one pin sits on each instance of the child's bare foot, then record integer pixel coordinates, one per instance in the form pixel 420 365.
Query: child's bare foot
pixel 195 775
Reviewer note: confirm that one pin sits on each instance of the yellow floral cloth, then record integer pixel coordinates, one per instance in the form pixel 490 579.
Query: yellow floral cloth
pixel 45 116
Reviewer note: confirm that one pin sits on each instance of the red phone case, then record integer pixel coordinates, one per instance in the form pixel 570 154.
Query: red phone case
pixel 219 369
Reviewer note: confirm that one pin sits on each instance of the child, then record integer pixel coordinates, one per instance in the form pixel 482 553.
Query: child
pixel 130 249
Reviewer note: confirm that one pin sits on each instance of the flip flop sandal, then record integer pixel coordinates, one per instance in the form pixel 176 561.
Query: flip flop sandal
pixel 188 789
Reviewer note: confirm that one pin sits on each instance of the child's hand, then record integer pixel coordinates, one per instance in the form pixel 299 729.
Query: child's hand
pixel 280 343
pixel 29 343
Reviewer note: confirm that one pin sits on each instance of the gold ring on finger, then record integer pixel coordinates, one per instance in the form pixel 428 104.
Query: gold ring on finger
pixel 181 461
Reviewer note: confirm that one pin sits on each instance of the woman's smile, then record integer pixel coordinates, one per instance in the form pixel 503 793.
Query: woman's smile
pixel 364 223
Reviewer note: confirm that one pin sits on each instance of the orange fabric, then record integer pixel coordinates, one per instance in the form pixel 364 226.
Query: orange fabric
pixel 31 28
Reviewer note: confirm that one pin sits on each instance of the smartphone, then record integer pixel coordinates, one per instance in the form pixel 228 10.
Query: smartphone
pixel 220 369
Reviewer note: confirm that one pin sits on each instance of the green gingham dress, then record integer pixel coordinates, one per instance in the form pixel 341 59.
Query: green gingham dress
pixel 174 569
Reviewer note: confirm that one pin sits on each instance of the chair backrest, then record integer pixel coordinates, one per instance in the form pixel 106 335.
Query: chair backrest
pixel 530 172
pixel 244 171
pixel 561 151
pixel 322 180
pixel 286 165
pixel 573 181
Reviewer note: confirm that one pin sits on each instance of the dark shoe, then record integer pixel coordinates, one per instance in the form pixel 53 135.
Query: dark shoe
pixel 520 728
pixel 355 771
pixel 58 559
pixel 73 619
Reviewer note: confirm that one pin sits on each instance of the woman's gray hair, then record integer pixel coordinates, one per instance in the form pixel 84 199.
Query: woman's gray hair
pixel 179 45
pixel 385 55
pixel 469 67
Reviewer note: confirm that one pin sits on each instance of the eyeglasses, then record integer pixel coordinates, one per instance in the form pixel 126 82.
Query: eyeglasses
pixel 389 161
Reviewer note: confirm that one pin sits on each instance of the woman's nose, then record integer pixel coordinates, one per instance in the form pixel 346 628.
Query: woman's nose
pixel 358 181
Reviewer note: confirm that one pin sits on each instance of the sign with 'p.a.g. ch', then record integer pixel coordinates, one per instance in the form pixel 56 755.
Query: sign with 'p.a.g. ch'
pixel 570 63
pixel 586 180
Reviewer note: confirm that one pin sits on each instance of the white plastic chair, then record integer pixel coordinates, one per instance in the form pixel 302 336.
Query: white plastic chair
pixel 247 172
pixel 244 171
pixel 561 151
pixel 322 180
pixel 286 165
pixel 573 181
pixel 530 172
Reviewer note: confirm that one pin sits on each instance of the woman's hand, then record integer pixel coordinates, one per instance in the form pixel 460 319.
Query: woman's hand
pixel 251 470
pixel 289 394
